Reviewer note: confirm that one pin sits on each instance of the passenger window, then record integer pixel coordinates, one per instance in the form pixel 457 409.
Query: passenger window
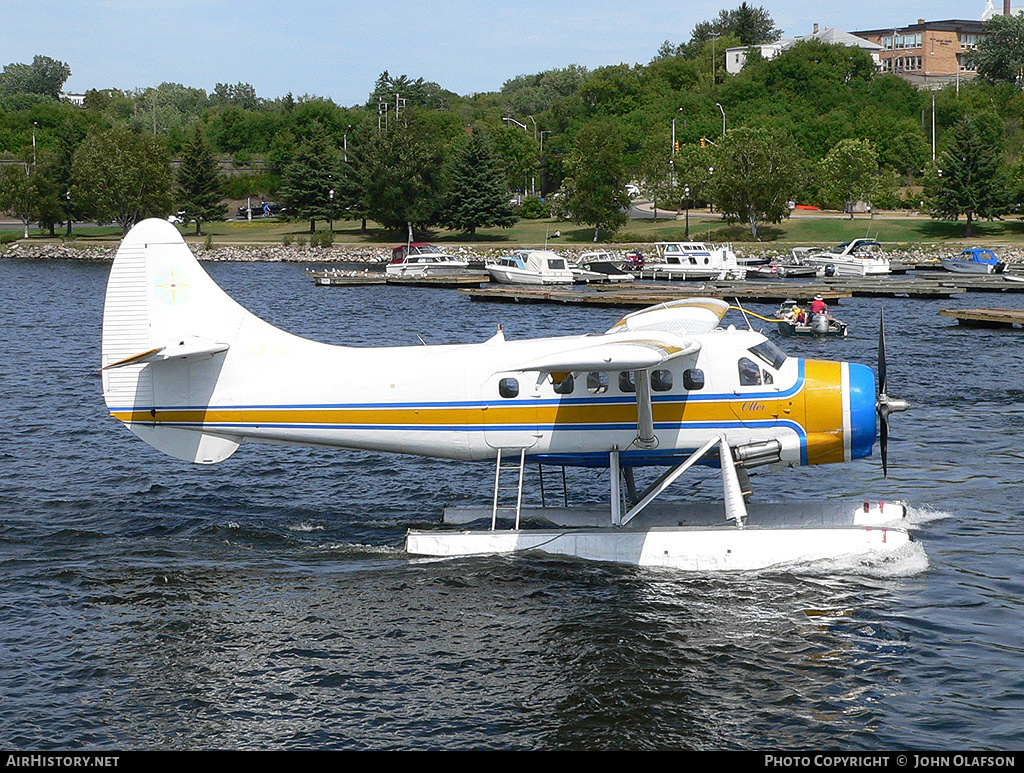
pixel 661 380
pixel 565 386
pixel 508 387
pixel 750 374
pixel 626 381
pixel 597 382
pixel 693 379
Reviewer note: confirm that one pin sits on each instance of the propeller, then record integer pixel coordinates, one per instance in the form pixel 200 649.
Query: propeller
pixel 884 404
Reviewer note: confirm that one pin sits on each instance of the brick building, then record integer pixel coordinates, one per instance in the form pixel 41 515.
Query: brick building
pixel 929 54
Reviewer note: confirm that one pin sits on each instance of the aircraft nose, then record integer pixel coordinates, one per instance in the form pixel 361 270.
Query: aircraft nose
pixel 862 410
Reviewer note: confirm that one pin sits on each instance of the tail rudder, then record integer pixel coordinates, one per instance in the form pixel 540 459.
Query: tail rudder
pixel 167 327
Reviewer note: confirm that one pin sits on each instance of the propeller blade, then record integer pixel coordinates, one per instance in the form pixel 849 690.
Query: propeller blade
pixel 882 381
pixel 883 437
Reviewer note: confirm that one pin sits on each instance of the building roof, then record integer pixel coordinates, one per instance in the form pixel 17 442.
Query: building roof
pixel 949 25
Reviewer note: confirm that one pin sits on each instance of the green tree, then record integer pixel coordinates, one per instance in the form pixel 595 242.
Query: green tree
pixel 751 25
pixel 309 178
pixel 849 173
pixel 594 187
pixel 999 57
pixel 17 193
pixel 199 182
pixel 121 176
pixel 403 177
pixel 970 177
pixel 477 196
pixel 44 76
pixel 755 178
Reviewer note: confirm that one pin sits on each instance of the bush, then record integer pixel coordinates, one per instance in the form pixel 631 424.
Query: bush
pixel 533 208
pixel 321 239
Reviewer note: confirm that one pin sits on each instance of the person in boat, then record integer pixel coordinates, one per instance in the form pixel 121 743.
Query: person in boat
pixel 818 306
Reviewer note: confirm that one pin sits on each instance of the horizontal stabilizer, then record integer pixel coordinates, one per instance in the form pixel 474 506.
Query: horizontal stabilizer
pixel 180 350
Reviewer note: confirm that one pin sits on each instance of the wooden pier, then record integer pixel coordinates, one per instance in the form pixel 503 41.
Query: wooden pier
pixel 998 318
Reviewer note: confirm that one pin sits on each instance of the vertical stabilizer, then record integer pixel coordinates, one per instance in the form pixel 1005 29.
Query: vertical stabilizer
pixel 167 328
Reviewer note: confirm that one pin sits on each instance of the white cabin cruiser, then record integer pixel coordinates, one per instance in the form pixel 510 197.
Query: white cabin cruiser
pixel 858 257
pixel 531 267
pixel 422 259
pixel 694 260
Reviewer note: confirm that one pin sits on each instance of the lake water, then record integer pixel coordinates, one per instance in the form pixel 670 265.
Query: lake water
pixel 267 603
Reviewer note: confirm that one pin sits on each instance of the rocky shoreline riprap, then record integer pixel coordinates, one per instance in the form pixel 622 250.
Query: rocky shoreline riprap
pixel 369 254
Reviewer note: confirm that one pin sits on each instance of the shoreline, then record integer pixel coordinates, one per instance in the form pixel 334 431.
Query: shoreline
pixel 367 255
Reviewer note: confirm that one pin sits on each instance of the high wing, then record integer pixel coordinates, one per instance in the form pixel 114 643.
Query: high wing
pixel 639 342
pixel 686 316
pixel 618 352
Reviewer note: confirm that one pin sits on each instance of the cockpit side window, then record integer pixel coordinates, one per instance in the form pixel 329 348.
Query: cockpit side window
pixel 750 374
pixel 627 381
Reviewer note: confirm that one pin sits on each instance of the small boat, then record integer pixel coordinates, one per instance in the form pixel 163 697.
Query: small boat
pixel 422 259
pixel 975 260
pixel 792 320
pixel 600 267
pixel 694 260
pixel 531 267
pixel 858 257
pixel 793 267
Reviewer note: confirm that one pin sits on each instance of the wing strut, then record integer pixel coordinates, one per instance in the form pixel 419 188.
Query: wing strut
pixel 735 506
pixel 645 437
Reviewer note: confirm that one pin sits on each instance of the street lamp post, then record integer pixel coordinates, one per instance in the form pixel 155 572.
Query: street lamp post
pixel 67 195
pixel 723 117
pixel 686 194
pixel 330 213
pixel 711 202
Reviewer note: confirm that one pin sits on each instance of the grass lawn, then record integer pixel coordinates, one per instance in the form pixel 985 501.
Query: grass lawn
pixel 896 229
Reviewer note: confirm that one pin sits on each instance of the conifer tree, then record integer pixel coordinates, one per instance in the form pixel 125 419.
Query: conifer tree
pixel 970 178
pixel 199 182
pixel 309 179
pixel 477 195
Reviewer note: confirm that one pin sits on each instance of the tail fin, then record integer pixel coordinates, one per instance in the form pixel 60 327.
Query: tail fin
pixel 167 328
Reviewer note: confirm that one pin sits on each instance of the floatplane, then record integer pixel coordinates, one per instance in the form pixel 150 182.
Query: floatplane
pixel 194 374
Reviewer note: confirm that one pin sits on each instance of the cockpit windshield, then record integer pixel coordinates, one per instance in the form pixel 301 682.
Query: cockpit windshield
pixel 769 353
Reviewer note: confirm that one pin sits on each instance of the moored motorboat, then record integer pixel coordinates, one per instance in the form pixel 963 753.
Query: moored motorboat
pixel 422 259
pixel 975 260
pixel 600 267
pixel 531 267
pixel 694 260
pixel 858 257
pixel 793 267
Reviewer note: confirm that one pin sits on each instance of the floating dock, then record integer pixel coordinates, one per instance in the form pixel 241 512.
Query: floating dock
pixel 998 318
pixel 356 279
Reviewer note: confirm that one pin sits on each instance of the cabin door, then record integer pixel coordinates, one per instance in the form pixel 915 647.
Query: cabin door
pixel 510 410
